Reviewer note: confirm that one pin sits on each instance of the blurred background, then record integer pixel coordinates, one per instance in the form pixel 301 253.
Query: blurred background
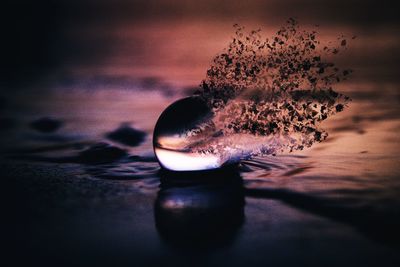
pixel 171 43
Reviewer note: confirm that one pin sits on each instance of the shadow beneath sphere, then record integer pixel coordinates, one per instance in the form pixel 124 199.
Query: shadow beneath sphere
pixel 199 210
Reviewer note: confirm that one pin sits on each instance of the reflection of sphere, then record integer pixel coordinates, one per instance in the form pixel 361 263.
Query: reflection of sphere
pixel 176 132
pixel 200 214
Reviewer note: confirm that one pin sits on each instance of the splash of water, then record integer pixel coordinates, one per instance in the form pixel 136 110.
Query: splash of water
pixel 262 97
pixel 280 88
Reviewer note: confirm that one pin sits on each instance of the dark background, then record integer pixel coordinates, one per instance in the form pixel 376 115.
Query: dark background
pixel 48 40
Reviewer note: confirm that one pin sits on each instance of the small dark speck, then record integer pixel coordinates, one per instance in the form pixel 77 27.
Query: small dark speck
pixel 364 152
pixel 127 136
pixel 339 107
pixel 100 153
pixel 46 125
pixel 361 131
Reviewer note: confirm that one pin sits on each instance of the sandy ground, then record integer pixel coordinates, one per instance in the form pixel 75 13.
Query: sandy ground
pixel 64 218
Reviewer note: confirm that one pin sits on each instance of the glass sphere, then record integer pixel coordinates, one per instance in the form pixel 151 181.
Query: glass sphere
pixel 181 128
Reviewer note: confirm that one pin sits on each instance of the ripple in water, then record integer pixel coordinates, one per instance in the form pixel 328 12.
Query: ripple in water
pixel 260 97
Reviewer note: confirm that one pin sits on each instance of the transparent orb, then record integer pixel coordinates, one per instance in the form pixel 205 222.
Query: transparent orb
pixel 181 128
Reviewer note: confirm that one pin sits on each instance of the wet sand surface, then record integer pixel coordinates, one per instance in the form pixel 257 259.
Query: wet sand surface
pixel 88 189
